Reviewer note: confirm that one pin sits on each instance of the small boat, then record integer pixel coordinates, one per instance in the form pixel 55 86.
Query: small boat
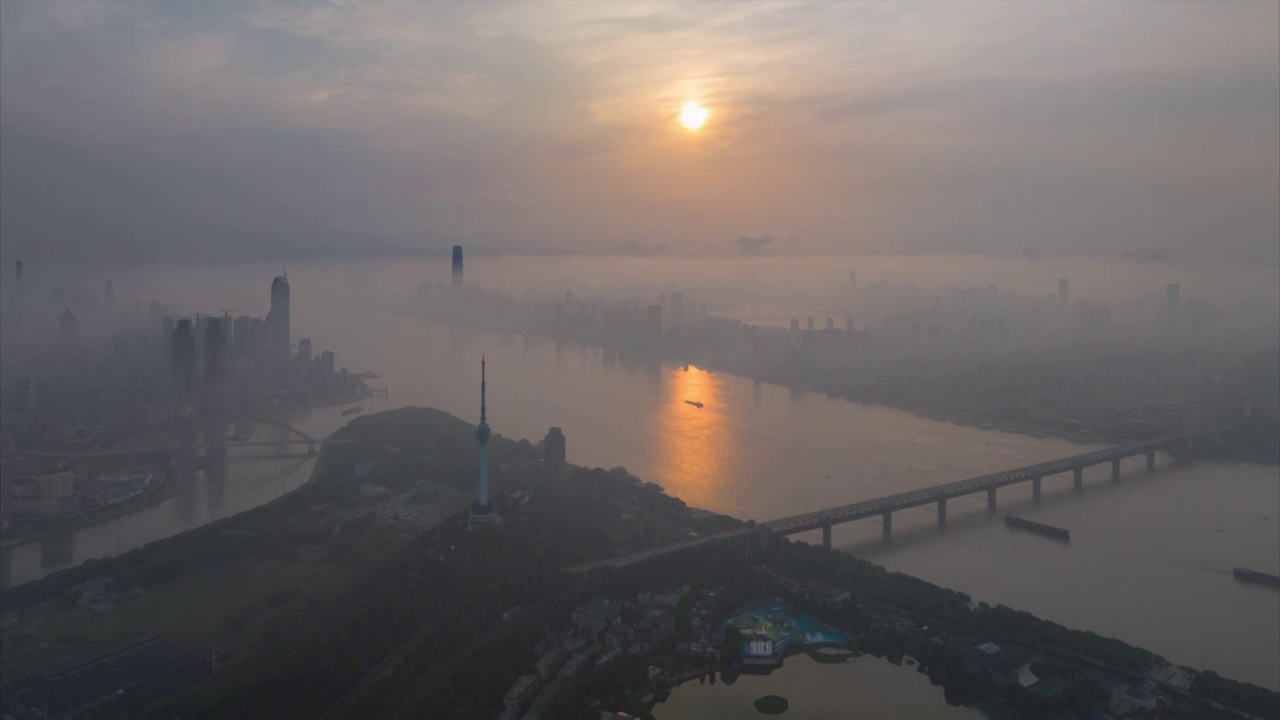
pixel 694 403
pixel 351 410
pixel 1244 574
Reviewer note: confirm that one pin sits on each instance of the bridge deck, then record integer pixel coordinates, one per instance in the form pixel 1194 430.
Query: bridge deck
pixel 945 491
pixel 902 501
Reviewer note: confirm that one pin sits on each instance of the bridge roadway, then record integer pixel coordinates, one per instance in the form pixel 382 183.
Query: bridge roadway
pixel 885 506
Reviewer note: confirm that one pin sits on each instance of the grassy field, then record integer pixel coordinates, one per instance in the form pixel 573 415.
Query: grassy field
pixel 189 609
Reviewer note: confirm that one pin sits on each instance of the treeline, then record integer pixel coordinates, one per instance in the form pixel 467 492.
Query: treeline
pixel 1243 696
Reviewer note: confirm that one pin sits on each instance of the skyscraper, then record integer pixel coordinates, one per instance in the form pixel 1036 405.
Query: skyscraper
pixel 1062 291
pixel 241 329
pixel 166 339
pixel 183 362
pixel 278 316
pixel 303 358
pixel 457 266
pixel 553 451
pixel 213 356
pixel 1172 295
pixel 17 273
pixel 653 323
pixel 481 512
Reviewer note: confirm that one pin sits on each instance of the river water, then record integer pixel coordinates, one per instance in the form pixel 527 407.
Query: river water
pixel 1150 559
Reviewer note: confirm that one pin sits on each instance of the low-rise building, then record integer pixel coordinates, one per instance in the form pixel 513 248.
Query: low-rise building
pixel 521 692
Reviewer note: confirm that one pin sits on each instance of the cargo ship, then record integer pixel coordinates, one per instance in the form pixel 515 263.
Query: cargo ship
pixel 1244 574
pixel 1048 531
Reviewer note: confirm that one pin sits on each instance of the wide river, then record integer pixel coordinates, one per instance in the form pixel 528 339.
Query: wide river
pixel 1150 559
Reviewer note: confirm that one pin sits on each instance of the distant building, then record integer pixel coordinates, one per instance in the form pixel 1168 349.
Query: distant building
pixel 1062 291
pixel 1172 295
pixel 56 486
pixel 809 323
pixel 795 325
pixel 653 322
pixel 166 338
pixel 241 336
pixel 853 280
pixel 326 362
pixel 831 323
pixel 848 324
pixel 456 275
pixel 278 316
pixel 553 449
pixel 213 355
pixel 17 273
pixel 67 325
pixel 304 354
pixel 182 362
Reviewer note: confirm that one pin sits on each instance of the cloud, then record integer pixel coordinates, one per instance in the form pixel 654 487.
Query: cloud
pixel 753 245
pixel 925 126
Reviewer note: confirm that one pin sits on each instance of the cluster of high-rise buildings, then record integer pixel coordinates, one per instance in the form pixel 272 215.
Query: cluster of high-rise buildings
pixel 208 354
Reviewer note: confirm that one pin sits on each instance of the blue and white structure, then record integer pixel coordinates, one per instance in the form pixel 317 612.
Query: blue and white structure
pixel 481 512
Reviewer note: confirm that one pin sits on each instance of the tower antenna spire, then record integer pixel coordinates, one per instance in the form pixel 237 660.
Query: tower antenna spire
pixel 481 512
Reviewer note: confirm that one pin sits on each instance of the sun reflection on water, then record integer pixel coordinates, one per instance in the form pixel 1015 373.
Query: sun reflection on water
pixel 692 450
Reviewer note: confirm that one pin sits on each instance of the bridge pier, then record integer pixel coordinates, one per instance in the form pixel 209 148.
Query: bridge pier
pixel 1035 490
pixel 942 513
pixel 991 500
pixel 1151 461
pixel 1115 470
pixel 1079 479
pixel 888 527
pixel 826 537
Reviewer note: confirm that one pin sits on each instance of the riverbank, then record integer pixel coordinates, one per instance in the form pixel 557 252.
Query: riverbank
pixel 175 482
pixel 1074 433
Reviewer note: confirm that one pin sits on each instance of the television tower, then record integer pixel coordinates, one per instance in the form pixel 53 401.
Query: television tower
pixel 481 512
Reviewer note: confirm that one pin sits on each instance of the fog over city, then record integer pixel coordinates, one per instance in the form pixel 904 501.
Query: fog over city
pixel 537 360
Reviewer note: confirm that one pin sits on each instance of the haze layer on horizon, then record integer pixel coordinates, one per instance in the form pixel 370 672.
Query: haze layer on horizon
pixel 244 131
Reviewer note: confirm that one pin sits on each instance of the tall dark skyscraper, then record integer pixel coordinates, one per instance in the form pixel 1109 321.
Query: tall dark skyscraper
pixel 213 352
pixel 183 361
pixel 241 342
pixel 17 273
pixel 166 338
pixel 457 266
pixel 278 317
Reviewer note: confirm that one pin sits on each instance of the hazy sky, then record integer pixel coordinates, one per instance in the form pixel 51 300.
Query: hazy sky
pixel 223 130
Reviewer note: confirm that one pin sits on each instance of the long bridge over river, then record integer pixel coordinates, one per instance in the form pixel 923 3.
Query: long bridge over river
pixel 759 533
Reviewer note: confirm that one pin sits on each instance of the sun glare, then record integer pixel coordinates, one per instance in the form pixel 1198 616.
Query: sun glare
pixel 693 116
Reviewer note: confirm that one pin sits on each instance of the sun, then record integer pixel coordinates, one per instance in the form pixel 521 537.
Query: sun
pixel 693 116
